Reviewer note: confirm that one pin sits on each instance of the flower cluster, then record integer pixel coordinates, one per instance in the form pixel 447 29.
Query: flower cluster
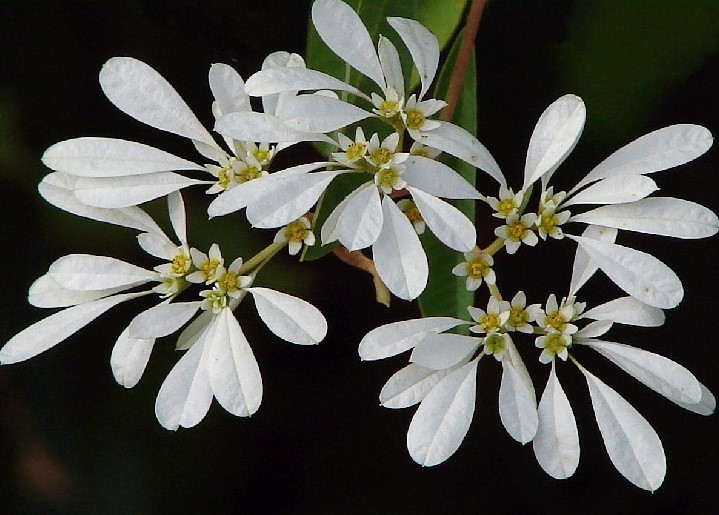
pixel 399 191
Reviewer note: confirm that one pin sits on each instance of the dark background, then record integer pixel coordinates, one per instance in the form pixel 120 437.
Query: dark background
pixel 73 441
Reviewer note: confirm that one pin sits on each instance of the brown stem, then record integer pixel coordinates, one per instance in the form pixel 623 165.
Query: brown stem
pixel 460 65
pixel 356 259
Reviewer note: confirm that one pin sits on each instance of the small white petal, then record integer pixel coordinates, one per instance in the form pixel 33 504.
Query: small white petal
pixel 185 395
pixel 447 222
pixel 108 157
pixel 456 141
pixel 138 90
pixel 398 254
pixel 632 444
pixel 556 444
pixel 162 319
pixel 342 30
pixel 50 331
pixel 440 351
pixel 656 215
pixel 615 190
pixel 422 46
pixel 443 418
pixel 661 374
pixel 554 137
pixel 627 310
pixel 288 317
pixel 129 358
pixel 87 272
pixel 659 150
pixel 392 339
pixel 639 274
pixel 517 406
pixel 438 179
pixel 131 190
pixel 57 189
pixel 360 222
pixel 233 372
pixel 584 268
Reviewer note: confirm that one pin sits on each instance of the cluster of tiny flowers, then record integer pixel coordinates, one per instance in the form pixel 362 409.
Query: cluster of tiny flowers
pixel 401 190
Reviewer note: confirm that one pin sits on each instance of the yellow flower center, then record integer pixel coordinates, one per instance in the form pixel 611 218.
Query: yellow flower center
pixel 516 231
pixel 224 177
pixel 518 317
pixel 548 223
pixel 227 282
pixel 249 174
pixel 295 231
pixel 261 154
pixel 388 108
pixel 494 343
pixel 555 343
pixel 555 320
pixel 387 178
pixel 355 150
pixel 415 118
pixel 506 207
pixel 412 212
pixel 478 268
pixel 381 156
pixel 209 268
pixel 180 264
pixel 490 322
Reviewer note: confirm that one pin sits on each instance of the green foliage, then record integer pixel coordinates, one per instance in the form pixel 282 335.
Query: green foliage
pixel 446 294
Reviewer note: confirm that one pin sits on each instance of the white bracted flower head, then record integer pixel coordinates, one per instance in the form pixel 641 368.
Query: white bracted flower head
pixel 496 344
pixel 491 320
pixel 557 317
pixel 518 230
pixel 554 343
pixel 477 267
pixel 411 211
pixel 387 106
pixel 508 202
pixel 416 113
pixel 230 282
pixel 353 151
pixel 549 221
pixel 384 154
pixel 208 266
pixel 295 234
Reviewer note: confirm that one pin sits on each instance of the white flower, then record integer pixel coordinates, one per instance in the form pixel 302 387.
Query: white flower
pixel 632 444
pixel 518 230
pixel 295 234
pixel 520 315
pixel 476 267
pixel 508 202
pixel 491 320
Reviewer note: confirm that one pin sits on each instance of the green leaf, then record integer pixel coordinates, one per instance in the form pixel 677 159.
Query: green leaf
pixel 442 18
pixel 446 294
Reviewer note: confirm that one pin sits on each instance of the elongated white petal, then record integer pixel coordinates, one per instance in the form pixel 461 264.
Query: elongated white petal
pixel 57 189
pixel 440 351
pixel 278 80
pixel 343 32
pixel 627 310
pixel 519 367
pixel 445 221
pixel 138 90
pixel 391 65
pixel 194 330
pixel 176 208
pixel 422 46
pixel 158 245
pixel 665 216
pixel 234 375
pixel 659 150
pixel 594 329
pixel 398 254
pixel 320 113
pixel 554 137
pixel 45 292
pixel 109 157
pixel 632 444
pixel 243 194
pixel 456 141
pixel 228 88
pixel 584 268
pixel 361 220
pixel 395 338
pixel 129 358
pixel 556 444
pixel 410 385
pixel 517 407
pixel 438 179
pixel 162 319
pixel 87 272
pixel 130 190
pixel 615 190
pixel 661 374
pixel 272 103
pixel 705 406
pixel 288 317
pixel 185 395
pixel 639 274
pixel 288 198
pixel 50 331
pixel 442 420
pixel 251 126
pixel 328 233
